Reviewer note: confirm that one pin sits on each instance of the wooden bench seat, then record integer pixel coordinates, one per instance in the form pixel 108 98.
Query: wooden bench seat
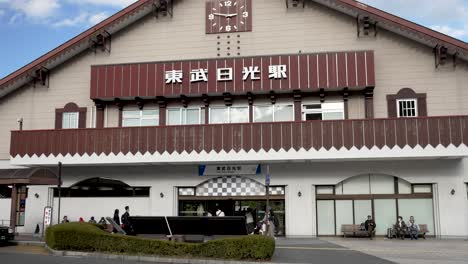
pixel 353 230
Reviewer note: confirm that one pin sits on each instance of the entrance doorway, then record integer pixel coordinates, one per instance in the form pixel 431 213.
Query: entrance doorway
pixel 234 195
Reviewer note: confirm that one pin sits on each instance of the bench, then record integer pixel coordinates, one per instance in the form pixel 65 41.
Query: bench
pixel 353 230
pixel 423 230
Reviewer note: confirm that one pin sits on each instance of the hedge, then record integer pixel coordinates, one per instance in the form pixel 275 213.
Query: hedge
pixel 90 238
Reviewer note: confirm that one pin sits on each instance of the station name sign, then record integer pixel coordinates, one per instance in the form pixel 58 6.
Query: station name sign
pixel 260 74
pixel 219 170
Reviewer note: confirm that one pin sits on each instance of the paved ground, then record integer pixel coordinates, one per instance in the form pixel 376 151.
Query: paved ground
pixel 430 251
pixel 310 251
pixel 320 252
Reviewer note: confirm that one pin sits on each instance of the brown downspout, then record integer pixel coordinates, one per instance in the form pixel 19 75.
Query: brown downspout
pixel 14 205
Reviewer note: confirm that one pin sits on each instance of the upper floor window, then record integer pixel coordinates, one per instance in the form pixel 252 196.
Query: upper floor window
pixel 70 120
pixel 137 118
pixel 407 108
pixel 406 103
pixel 184 116
pixel 324 111
pixel 273 113
pixel 70 116
pixel 229 114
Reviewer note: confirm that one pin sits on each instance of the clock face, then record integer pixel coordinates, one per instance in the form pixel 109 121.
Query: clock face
pixel 228 16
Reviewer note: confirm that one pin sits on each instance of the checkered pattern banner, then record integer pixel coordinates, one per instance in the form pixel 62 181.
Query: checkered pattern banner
pixel 186 191
pixel 235 186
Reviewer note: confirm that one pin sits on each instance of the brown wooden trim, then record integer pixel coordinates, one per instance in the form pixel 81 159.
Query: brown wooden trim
pixel 70 108
pixel 406 93
pixel 372 196
pixel 14 202
pixel 369 102
pixel 224 198
pixel 396 186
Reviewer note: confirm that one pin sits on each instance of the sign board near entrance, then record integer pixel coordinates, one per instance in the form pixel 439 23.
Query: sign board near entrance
pixel 47 216
pixel 216 170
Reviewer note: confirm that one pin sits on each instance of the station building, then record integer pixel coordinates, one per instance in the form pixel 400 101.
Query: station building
pixel 177 107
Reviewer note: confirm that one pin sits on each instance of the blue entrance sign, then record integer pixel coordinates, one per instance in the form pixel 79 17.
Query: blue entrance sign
pixel 217 170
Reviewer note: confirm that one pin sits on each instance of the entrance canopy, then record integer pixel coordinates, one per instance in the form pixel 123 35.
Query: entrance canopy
pixel 29 176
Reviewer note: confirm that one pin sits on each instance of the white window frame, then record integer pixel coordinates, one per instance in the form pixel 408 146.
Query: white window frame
pixel 69 126
pixel 141 116
pixel 273 106
pixel 407 100
pixel 183 110
pixel 229 113
pixel 321 111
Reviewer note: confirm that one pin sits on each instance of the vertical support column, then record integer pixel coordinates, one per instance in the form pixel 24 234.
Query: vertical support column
pixel 120 105
pixel 162 110
pixel 345 103
pixel 14 206
pixel 250 99
pixel 206 103
pixel 100 107
pixel 369 102
pixel 297 105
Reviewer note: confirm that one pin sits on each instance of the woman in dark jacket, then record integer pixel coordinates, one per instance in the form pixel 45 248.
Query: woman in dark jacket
pixel 116 219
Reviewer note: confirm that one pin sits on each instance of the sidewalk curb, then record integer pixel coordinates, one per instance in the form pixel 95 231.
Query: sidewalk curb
pixel 29 243
pixel 152 259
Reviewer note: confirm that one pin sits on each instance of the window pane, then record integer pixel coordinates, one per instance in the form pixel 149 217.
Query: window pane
pixel 422 188
pixel 310 107
pixel 219 115
pixel 131 114
pixel 239 114
pixel 131 122
pixel 263 113
pixel 385 215
pixel 333 106
pixel 344 214
pixel 70 120
pixel 333 116
pixel 362 208
pixel 173 116
pixel 284 113
pixel 421 209
pixel 150 122
pixel 150 113
pixel 326 217
pixel 191 116
pixel 315 116
pixel 325 189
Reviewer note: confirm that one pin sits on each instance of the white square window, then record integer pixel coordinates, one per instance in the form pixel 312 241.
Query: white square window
pixel 274 113
pixel 184 116
pixel 407 108
pixel 70 120
pixel 324 111
pixel 137 118
pixel 226 114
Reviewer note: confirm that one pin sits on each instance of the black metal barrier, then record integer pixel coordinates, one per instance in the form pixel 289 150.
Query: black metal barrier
pixel 189 225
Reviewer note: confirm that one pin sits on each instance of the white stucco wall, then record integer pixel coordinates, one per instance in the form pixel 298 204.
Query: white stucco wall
pixel 451 210
pixel 5 205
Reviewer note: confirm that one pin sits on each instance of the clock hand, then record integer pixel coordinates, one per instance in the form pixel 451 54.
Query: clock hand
pixel 225 15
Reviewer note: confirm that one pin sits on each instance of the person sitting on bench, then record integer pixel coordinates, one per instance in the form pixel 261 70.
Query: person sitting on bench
pixel 413 228
pixel 400 228
pixel 370 226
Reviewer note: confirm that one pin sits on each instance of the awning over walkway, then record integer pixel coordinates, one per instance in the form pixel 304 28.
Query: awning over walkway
pixel 29 176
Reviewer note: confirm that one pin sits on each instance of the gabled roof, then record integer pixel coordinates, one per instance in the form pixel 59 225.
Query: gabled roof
pixel 141 8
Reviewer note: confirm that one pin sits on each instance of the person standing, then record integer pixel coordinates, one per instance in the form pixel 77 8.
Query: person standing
pixel 126 224
pixel 370 226
pixel 413 228
pixel 65 220
pixel 116 219
pixel 92 221
pixel 249 221
pixel 400 228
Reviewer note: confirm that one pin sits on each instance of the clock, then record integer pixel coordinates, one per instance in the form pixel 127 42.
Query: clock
pixel 224 16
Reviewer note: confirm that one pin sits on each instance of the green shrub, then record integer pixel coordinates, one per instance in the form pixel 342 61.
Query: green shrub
pixel 91 238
